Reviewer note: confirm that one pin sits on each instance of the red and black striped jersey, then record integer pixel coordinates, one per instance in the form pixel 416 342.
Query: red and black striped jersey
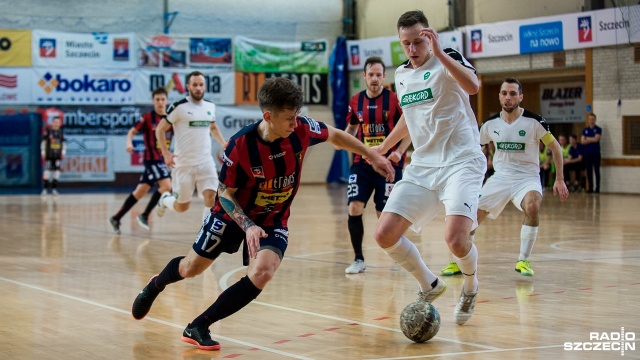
pixel 267 175
pixel 376 118
pixel 147 124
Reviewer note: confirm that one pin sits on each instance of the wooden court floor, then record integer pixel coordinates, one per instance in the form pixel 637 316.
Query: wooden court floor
pixel 67 284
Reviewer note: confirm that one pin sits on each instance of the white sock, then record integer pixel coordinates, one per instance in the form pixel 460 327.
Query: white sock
pixel 469 266
pixel 206 211
pixel 406 254
pixel 168 202
pixel 528 235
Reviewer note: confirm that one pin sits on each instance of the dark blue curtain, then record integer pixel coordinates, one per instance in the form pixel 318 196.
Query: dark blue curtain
pixel 339 79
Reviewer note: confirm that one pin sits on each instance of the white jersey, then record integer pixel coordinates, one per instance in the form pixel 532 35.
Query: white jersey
pixel 516 143
pixel 439 118
pixel 191 123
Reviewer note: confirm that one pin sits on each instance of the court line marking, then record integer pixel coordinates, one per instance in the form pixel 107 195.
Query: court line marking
pixel 223 285
pixel 470 352
pixel 89 302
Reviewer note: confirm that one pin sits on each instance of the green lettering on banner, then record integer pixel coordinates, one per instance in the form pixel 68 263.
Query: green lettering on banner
pixel 510 146
pixel 416 96
pixel 199 123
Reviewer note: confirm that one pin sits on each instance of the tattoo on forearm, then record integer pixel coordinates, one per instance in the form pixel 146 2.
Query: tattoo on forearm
pixel 234 210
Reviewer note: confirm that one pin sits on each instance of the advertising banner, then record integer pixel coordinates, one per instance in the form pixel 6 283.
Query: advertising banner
pixel 314 87
pixel 88 159
pixel 179 52
pixel 220 84
pixel 15 85
pixel 563 102
pixel 555 33
pixel 83 50
pixel 15 47
pixel 390 49
pixel 75 86
pixel 281 57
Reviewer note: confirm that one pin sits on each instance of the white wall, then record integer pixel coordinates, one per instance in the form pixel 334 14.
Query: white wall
pixel 490 11
pixel 279 20
pixel 377 18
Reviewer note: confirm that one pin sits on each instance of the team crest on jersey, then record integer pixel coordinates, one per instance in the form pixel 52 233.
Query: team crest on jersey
pixel 359 115
pixel 257 172
pixel 522 133
pixel 426 75
pixel 353 178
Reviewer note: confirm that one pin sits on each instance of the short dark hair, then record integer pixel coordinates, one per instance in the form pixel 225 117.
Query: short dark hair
pixel 194 73
pixel 371 60
pixel 574 136
pixel 279 93
pixel 159 91
pixel 511 80
pixel 594 115
pixel 411 18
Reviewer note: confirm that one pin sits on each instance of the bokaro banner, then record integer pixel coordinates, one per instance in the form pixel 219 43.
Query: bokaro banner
pixel 220 85
pixel 164 51
pixel 83 50
pixel 563 102
pixel 390 49
pixel 71 86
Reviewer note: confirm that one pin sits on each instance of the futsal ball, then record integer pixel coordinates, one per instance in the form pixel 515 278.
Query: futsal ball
pixel 420 321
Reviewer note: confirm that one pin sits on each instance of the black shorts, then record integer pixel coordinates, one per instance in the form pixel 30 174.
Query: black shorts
pixel 363 180
pixel 52 164
pixel 218 235
pixel 153 172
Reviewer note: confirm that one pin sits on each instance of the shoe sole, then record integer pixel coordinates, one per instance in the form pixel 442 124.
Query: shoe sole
pixel 524 274
pixel 353 273
pixel 134 301
pixel 118 232
pixel 142 224
pixel 450 273
pixel 193 342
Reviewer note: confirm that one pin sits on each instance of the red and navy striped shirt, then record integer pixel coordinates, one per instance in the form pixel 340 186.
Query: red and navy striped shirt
pixel 147 124
pixel 267 174
pixel 376 118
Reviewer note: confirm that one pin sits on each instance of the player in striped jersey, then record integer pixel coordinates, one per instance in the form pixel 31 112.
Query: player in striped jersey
pixel 258 181
pixel 372 115
pixel 516 134
pixel 52 149
pixel 155 170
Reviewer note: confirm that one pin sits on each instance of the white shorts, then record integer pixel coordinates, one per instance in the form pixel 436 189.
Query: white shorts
pixel 422 192
pixel 500 189
pixel 188 178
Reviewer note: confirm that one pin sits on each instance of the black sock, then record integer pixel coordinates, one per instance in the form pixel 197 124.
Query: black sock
pixel 356 230
pixel 54 184
pixel 128 204
pixel 229 302
pixel 45 185
pixel 434 283
pixel 169 275
pixel 152 203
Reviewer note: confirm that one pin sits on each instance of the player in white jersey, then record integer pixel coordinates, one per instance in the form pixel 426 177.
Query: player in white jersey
pixel 193 121
pixel 447 166
pixel 516 132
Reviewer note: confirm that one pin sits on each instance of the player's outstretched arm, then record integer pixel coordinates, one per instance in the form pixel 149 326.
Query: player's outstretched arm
pixel 217 135
pixel 399 133
pixel 345 141
pixel 234 210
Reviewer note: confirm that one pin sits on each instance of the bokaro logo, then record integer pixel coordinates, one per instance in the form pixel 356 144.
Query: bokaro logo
pixel 85 84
